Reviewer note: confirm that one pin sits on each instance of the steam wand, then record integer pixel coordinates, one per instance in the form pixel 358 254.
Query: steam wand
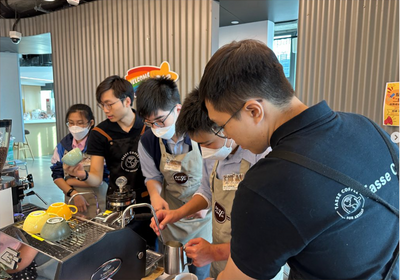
pixel 143 205
pixel 82 193
pixel 33 193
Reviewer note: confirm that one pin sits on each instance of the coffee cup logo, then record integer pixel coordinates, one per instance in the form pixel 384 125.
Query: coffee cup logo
pixel 219 213
pixel 180 178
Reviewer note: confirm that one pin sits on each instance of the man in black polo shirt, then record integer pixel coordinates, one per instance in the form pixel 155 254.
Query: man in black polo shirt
pixel 338 220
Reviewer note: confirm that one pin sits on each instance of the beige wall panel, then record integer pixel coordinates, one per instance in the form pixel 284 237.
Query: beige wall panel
pixel 31 95
pixel 41 140
pixel 347 51
pixel 94 40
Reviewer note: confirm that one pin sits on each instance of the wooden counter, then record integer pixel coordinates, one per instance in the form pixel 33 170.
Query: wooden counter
pixel 155 274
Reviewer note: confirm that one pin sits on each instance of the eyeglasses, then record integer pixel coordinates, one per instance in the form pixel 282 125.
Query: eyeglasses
pixel 82 124
pixel 109 105
pixel 159 123
pixel 219 130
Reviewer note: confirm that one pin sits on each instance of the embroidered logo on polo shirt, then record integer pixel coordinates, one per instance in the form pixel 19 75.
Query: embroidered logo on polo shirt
pixel 130 162
pixel 180 178
pixel 349 204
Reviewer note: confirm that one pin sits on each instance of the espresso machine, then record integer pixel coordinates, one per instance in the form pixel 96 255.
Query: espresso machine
pixel 10 180
pixel 91 251
pixel 99 248
pixel 117 202
pixel 22 184
pixel 6 182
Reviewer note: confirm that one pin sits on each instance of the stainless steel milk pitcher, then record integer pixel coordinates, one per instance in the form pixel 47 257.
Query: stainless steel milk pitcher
pixel 174 257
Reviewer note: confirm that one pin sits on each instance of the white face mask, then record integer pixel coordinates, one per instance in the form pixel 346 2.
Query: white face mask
pixel 78 132
pixel 165 132
pixel 217 154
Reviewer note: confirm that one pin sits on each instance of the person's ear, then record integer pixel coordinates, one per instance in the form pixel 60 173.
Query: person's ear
pixel 91 123
pixel 254 109
pixel 128 101
pixel 178 108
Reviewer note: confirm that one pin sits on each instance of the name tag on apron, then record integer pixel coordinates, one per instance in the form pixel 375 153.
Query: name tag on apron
pixel 173 165
pixel 230 182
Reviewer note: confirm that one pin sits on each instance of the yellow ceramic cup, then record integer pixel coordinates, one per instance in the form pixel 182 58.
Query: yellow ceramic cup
pixel 62 210
pixel 34 222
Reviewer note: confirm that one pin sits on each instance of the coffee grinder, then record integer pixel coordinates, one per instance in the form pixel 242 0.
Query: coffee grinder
pixel 10 180
pixel 6 182
pixel 12 169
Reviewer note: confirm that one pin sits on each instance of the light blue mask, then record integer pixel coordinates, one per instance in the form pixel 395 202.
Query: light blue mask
pixel 165 132
pixel 217 154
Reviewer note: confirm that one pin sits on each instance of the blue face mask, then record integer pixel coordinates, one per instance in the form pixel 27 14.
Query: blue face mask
pixel 217 154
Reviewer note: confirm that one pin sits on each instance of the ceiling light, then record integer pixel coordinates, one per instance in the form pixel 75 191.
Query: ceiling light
pixel 234 22
pixel 73 2
pixel 37 79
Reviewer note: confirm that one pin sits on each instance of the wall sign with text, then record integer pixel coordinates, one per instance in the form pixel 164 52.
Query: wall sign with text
pixel 137 74
pixel 391 105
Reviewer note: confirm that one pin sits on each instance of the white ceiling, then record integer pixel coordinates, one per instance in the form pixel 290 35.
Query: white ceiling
pixel 246 11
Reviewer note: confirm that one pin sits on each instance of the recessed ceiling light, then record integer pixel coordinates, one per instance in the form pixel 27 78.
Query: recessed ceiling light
pixel 234 22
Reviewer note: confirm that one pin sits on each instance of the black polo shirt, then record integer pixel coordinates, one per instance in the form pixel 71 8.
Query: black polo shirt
pixel 283 212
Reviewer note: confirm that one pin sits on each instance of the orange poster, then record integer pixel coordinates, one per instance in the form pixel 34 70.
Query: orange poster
pixel 391 104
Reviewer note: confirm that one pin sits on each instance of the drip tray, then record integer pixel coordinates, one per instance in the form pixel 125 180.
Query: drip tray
pixel 84 233
pixel 29 207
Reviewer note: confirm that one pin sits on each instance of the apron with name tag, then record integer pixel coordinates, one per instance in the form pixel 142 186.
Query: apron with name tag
pixel 223 192
pixel 182 177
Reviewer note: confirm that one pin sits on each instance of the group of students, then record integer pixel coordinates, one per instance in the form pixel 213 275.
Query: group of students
pixel 207 168
pixel 184 168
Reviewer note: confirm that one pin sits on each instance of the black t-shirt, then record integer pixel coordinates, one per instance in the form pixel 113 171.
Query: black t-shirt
pixel 116 159
pixel 98 144
pixel 120 153
pixel 322 229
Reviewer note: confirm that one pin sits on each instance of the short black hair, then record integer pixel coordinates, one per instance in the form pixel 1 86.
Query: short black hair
pixel 155 94
pixel 121 88
pixel 242 70
pixel 192 118
pixel 83 109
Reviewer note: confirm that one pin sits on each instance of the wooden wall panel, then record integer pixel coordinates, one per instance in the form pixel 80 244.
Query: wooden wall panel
pixel 95 40
pixel 347 51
